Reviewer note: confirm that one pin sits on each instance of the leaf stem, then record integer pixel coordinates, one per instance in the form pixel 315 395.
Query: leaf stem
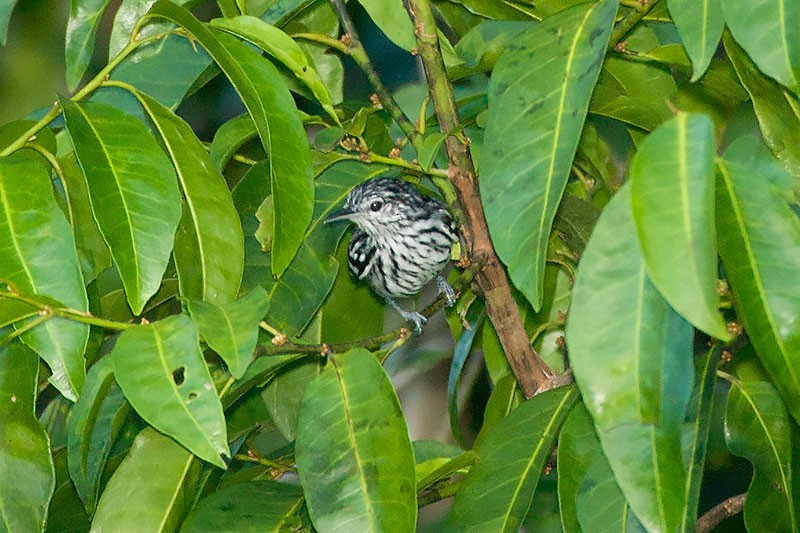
pixel 326 40
pixel 65 312
pixel 628 22
pixel 359 55
pixel 440 492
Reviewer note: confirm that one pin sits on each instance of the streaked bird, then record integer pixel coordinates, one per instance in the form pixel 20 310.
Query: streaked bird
pixel 401 242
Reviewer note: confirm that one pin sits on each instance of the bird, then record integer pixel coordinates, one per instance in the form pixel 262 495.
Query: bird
pixel 401 242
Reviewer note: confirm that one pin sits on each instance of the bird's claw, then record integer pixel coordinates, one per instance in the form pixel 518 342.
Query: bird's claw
pixel 447 291
pixel 418 321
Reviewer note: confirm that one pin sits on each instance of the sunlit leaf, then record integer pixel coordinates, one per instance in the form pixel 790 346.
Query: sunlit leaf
pixel 536 114
pixel 700 25
pixel 392 18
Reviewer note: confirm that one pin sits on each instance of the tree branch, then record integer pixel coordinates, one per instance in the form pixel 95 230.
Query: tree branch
pixel 714 516
pixel 529 369
pixel 361 58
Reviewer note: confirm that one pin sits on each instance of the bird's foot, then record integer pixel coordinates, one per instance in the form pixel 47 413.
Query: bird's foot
pixel 409 316
pixel 446 290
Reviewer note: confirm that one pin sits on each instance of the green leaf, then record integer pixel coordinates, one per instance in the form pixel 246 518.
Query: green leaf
pixel 209 245
pixel 632 91
pixel 482 45
pixel 252 507
pixel 757 427
pixel 274 113
pixel 515 451
pixel 162 372
pixel 392 19
pixel 132 186
pixel 25 462
pixel 777 109
pixel 431 145
pixel 769 32
pixel 37 255
pixel 231 330
pixel 632 359
pixel 672 193
pixel 229 138
pixel 353 454
pixel 93 426
pixel 148 490
pixel 66 513
pixel 759 242
pixel 472 321
pixel 93 251
pixel 284 49
pixel 504 398
pixel 5 17
pixel 284 394
pixel 84 17
pixel 537 108
pixel 601 504
pixel 700 25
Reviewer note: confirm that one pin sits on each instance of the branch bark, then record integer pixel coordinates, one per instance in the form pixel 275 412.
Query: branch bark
pixel 714 516
pixel 530 371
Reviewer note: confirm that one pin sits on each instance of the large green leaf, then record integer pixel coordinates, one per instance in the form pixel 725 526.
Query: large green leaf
pixel 84 17
pixel 769 31
pixel 353 453
pixel 700 24
pixel 759 241
pixel 231 330
pixel 777 109
pixel 632 359
pixel 281 47
pixel 672 192
pixel 162 372
pixel 37 255
pixel 148 492
pixel 757 427
pixel 392 18
pixel 25 463
pixel 275 115
pixel 538 98
pixel 515 452
pixel 134 194
pixel 209 245
pixel 93 426
pixel 253 507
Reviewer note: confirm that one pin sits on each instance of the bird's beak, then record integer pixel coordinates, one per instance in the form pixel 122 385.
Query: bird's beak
pixel 341 214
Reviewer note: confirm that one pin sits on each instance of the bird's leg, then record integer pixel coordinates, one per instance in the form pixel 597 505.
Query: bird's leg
pixel 409 316
pixel 447 290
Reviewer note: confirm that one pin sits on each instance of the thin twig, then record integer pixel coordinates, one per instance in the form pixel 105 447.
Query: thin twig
pixel 64 312
pixel 626 24
pixel 359 55
pixel 529 369
pixel 714 516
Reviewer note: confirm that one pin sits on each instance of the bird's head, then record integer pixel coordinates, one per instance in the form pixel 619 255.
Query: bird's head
pixel 376 205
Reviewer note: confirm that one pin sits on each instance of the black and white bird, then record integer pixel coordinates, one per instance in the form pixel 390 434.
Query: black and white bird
pixel 401 242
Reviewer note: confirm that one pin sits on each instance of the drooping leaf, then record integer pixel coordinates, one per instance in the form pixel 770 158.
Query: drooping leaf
pixel 353 453
pixel 134 194
pixel 37 255
pixel 93 426
pixel 672 192
pixel 84 17
pixel 281 47
pixel 25 462
pixel 757 427
pixel 274 113
pixel 759 242
pixel 392 18
pixel 252 507
pixel 231 330
pixel 209 245
pixel 162 372
pixel 769 32
pixel 632 359
pixel 777 109
pixel 536 114
pixel 157 503
pixel 515 451
pixel 700 25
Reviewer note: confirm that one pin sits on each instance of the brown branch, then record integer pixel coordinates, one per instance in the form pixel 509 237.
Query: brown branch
pixel 714 516
pixel 529 369
pixel 359 55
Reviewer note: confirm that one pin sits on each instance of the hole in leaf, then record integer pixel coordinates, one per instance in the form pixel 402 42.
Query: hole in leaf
pixel 192 396
pixel 179 375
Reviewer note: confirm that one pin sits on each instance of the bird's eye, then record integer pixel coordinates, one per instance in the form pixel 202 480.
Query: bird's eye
pixel 376 205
